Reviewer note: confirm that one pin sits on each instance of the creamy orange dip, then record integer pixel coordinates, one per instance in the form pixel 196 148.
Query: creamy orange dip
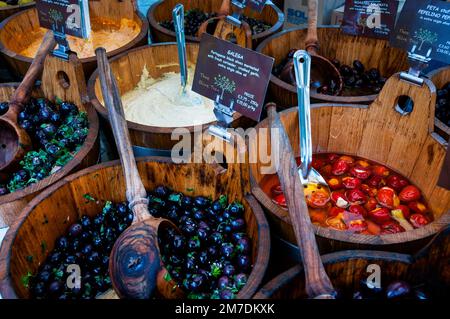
pixel 111 38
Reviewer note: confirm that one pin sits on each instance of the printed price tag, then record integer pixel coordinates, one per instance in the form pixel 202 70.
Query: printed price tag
pixel 370 18
pixel 65 16
pixel 256 5
pixel 234 74
pixel 424 25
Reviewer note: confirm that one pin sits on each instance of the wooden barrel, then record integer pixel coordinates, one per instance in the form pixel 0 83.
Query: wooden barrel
pixel 441 77
pixel 8 11
pixel 16 32
pixel 162 11
pixel 128 67
pixel 348 269
pixel 404 143
pixel 334 44
pixel 11 204
pixel 66 201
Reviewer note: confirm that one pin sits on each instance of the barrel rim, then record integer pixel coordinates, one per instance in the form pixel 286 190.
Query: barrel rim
pixel 87 146
pixel 331 234
pixel 263 246
pixel 277 82
pixel 101 109
pixel 156 26
pixel 15 55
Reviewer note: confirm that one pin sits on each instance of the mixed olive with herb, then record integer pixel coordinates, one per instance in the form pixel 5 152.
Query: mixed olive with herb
pixel 209 258
pixel 6 3
pixel 194 18
pixel 395 290
pixel 58 130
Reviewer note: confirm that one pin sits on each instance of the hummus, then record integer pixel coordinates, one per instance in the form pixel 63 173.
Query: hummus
pixel 160 102
pixel 110 37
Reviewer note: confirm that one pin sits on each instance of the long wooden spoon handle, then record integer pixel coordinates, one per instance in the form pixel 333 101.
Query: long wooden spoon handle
pixel 136 194
pixel 224 8
pixel 317 282
pixel 23 92
pixel 312 42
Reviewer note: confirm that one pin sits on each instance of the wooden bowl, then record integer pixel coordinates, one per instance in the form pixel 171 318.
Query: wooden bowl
pixel 347 269
pixel 15 30
pixel 404 143
pixel 8 11
pixel 64 201
pixel 440 77
pixel 373 53
pixel 162 11
pixel 11 204
pixel 127 67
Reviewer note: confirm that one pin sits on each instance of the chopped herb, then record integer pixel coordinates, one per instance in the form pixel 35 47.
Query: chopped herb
pixel 189 190
pixel 223 201
pixel 167 277
pixel 26 279
pixel 29 258
pixel 43 246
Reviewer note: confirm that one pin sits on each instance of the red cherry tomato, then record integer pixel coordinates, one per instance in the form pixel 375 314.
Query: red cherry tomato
pixel 280 200
pixel 418 220
pixel 418 207
pixel 351 182
pixel 376 181
pixel 326 170
pixel 335 183
pixel 318 199
pixel 332 157
pixel 371 204
pixel 380 170
pixel 397 182
pixel 409 193
pixel 317 163
pixel 386 197
pixel 357 209
pixel 347 159
pixel 380 215
pixel 357 226
pixel 405 211
pixel 339 199
pixel 391 227
pixel 334 211
pixel 360 172
pixel 356 196
pixel 276 190
pixel 339 167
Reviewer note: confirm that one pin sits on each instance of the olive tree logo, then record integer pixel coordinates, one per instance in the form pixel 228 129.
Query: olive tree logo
pixel 56 16
pixel 424 35
pixel 225 84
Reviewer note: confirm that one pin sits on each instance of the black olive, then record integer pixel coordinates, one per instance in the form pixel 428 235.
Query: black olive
pixel 75 230
pixel 186 202
pixel 99 220
pixel 4 107
pixel 178 242
pixel 55 118
pixel 75 245
pixel 216 238
pixel 39 290
pixel 122 210
pixel 86 222
pixel 71 259
pixel 44 276
pixel 86 250
pixel 243 262
pixel 97 241
pixel 240 280
pixel 216 206
pixel 3 190
pixel 22 116
pixel 193 243
pixel 203 257
pixel 226 293
pixel 161 192
pixel 66 109
pixel 238 224
pixel 398 289
pixel 175 260
pixel 201 202
pixel 62 243
pixel 227 250
pixel 55 258
pixel 358 66
pixel 229 270
pixel 243 245
pixel 27 125
pixel 55 288
pixel 93 258
pixel 44 114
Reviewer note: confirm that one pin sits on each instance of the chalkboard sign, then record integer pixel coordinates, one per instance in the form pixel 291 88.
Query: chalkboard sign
pixel 256 5
pixel 425 26
pixel 65 16
pixel 370 18
pixel 234 74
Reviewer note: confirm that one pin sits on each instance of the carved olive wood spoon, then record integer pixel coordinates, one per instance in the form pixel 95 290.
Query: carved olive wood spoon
pixel 323 71
pixel 135 264
pixel 318 284
pixel 14 140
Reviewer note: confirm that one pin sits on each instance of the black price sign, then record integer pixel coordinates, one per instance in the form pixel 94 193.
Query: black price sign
pixel 256 5
pixel 370 18
pixel 425 26
pixel 65 16
pixel 234 74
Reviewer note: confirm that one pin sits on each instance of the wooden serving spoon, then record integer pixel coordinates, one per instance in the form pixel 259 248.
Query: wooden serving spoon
pixel 323 72
pixel 318 284
pixel 14 140
pixel 135 263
